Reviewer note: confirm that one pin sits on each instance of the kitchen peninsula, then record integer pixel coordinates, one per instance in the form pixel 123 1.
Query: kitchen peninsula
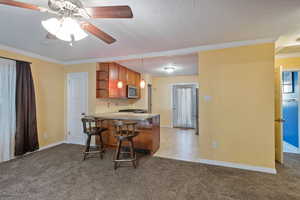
pixel 148 128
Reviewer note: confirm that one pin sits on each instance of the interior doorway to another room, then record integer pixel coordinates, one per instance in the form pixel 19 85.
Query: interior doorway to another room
pixel 290 111
pixel 181 142
pixel 185 104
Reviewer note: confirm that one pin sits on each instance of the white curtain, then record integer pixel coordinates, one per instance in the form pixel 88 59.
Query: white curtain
pixel 184 107
pixel 7 108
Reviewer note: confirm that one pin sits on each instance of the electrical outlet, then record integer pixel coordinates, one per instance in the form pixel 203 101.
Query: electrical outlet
pixel 207 98
pixel 215 144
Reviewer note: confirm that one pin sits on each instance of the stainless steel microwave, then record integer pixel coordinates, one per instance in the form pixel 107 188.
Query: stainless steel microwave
pixel 132 92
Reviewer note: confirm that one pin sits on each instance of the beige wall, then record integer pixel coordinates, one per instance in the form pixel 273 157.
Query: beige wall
pixel 49 86
pixel 162 95
pixel 240 115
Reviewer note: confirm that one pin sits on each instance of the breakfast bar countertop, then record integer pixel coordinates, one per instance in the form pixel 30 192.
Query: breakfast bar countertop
pixel 125 116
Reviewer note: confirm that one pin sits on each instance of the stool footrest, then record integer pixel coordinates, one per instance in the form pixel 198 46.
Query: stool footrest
pixel 125 160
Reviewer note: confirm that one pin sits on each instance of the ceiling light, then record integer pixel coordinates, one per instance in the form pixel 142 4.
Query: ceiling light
pixel 67 29
pixel 169 69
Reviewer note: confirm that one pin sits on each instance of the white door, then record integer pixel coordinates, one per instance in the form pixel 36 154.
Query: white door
pixel 77 86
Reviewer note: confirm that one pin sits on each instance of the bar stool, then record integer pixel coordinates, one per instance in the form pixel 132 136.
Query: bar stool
pixel 93 127
pixel 125 131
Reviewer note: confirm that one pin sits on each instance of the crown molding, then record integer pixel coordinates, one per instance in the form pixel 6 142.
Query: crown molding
pixel 287 55
pixel 29 54
pixel 184 51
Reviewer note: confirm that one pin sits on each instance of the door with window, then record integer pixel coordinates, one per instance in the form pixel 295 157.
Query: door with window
pixel 185 106
pixel 77 97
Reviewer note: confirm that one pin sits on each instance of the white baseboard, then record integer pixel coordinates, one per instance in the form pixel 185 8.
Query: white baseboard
pixel 51 145
pixel 288 148
pixel 79 143
pixel 238 166
pixel 40 149
pixel 223 164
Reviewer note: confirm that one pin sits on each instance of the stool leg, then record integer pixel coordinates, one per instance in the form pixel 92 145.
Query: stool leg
pixel 101 146
pixel 132 153
pixel 117 154
pixel 87 146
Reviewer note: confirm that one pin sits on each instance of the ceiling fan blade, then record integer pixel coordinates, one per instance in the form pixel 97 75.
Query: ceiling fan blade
pixel 20 4
pixel 110 12
pixel 97 32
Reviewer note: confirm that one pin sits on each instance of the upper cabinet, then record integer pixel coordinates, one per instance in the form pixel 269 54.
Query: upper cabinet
pixel 112 80
pixel 130 77
pixel 123 79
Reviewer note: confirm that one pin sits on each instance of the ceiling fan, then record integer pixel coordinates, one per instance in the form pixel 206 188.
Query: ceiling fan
pixel 72 18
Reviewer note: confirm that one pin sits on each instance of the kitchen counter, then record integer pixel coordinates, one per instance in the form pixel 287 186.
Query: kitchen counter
pixel 125 116
pixel 148 127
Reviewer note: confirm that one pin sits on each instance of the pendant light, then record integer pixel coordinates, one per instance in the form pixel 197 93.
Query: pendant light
pixel 143 82
pixel 120 84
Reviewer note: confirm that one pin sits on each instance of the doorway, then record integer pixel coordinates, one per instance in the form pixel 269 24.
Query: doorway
pixel 185 106
pixel 290 111
pixel 77 104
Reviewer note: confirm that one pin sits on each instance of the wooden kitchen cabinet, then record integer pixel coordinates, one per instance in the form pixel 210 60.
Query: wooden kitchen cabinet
pixel 113 80
pixel 130 77
pixel 108 76
pixel 102 80
pixel 123 78
pixel 137 81
pixel 147 140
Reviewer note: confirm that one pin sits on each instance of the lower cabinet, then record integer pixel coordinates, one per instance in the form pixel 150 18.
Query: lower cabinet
pixel 147 140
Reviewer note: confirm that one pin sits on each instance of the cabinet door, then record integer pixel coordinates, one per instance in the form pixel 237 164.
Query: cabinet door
pixel 137 83
pixel 130 77
pixel 103 67
pixel 123 78
pixel 113 80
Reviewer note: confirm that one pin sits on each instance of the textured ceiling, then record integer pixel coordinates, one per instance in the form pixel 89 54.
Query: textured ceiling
pixel 184 65
pixel 158 25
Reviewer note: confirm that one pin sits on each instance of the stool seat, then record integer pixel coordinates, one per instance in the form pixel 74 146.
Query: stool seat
pixel 93 127
pixel 125 131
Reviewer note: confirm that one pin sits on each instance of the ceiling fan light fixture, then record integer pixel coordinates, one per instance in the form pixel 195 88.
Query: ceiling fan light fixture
pixel 51 25
pixel 66 29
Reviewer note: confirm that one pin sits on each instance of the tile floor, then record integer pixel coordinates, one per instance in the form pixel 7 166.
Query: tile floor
pixel 179 144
